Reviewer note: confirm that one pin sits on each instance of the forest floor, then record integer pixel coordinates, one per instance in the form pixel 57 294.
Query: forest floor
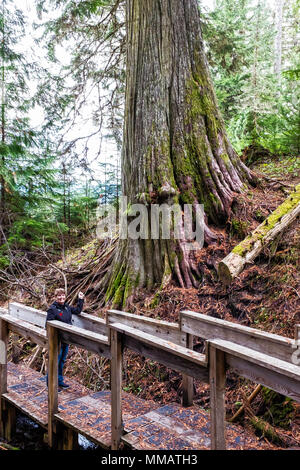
pixel 265 296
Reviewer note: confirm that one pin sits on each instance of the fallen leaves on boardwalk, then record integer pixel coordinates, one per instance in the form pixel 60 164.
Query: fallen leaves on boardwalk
pixel 147 424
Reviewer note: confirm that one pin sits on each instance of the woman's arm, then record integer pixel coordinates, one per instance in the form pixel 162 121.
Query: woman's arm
pixel 77 310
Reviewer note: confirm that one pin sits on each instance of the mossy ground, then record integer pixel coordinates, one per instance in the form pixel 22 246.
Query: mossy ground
pixel 290 203
pixel 280 167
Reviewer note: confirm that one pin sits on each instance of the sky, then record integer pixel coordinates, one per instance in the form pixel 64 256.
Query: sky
pixel 109 152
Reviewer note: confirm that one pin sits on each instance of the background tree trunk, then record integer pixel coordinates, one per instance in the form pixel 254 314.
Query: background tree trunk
pixel 278 39
pixel 175 148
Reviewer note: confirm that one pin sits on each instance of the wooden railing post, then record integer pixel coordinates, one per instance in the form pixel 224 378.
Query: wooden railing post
pixel 187 381
pixel 10 421
pixel 116 389
pixel 70 439
pixel 217 379
pixel 53 344
pixel 3 370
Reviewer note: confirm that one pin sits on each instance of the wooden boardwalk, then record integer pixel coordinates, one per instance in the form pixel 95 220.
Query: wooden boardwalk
pixel 114 418
pixel 147 425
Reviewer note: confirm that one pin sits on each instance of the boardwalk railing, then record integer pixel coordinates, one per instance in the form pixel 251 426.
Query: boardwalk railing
pixel 262 357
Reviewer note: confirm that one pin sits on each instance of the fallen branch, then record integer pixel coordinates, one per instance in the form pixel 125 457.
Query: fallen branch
pixel 242 408
pixel 246 252
pixel 35 355
pixel 6 446
pixel 92 369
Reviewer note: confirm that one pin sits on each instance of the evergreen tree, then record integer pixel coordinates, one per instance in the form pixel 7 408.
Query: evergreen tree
pixel 85 93
pixel 26 172
pixel 258 97
pixel 225 30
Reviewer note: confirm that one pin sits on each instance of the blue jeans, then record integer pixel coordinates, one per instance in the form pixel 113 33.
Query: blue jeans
pixel 61 362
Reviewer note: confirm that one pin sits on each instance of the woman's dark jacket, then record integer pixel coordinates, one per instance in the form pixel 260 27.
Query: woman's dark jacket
pixel 64 312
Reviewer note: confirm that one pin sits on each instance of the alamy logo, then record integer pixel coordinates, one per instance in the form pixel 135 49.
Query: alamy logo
pixel 296 353
pixel 152 221
pixel 2 353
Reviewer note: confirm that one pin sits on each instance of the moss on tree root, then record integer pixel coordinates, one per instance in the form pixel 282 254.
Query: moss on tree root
pixel 262 230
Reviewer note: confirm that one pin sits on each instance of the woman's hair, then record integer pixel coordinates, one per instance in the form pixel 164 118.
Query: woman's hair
pixel 59 292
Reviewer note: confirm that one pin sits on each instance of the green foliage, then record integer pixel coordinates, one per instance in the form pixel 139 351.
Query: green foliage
pixel 26 233
pixel 224 30
pixel 239 227
pixel 258 106
pixel 92 33
pixel 281 166
pixel 279 409
pixel 26 162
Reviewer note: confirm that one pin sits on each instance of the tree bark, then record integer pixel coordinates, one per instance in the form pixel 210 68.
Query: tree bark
pixel 278 39
pixel 3 139
pixel 175 147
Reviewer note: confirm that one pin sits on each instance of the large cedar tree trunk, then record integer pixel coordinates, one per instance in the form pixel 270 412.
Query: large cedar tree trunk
pixel 175 148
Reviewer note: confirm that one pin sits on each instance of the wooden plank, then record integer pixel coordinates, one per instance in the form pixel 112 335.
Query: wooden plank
pixel 168 359
pixel 28 314
pixel 82 338
pixel 269 378
pixel 187 381
pixel 217 380
pixel 160 328
pixel 84 343
pixel 70 439
pixel 209 328
pixel 52 381
pixel 163 345
pixel 130 440
pixel 10 422
pixel 73 425
pixel 15 402
pixel 297 333
pixel 116 390
pixel 255 357
pixel 27 330
pixel 91 323
pixel 3 369
pixel 76 331
pixel 27 391
pixel 38 318
pixel 186 428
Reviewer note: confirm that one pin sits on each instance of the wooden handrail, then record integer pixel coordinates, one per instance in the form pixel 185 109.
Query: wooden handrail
pixel 209 328
pixel 27 330
pixel 260 356
pixel 161 344
pixel 38 317
pixel 86 339
pixel 162 329
pixel 260 359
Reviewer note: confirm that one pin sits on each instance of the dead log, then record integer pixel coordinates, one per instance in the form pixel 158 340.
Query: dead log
pixel 246 252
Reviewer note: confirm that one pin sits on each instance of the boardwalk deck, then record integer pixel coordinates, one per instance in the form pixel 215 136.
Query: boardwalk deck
pixel 147 424
pixel 92 415
pixel 172 427
pixel 27 391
